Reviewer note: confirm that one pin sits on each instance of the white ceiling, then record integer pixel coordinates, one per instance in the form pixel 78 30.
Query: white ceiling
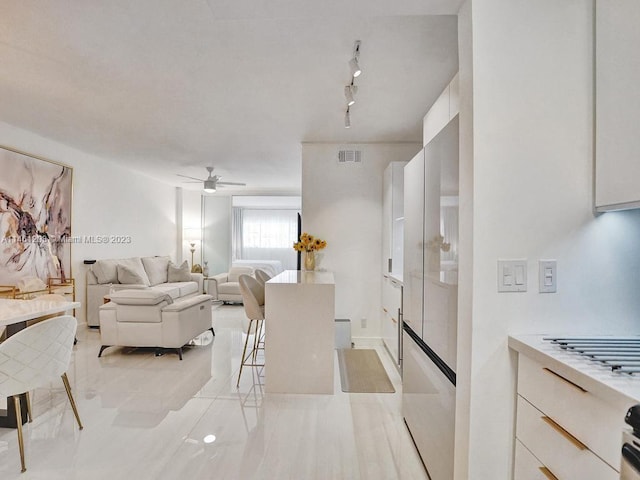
pixel 171 86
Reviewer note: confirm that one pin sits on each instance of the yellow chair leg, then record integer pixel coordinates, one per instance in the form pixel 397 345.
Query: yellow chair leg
pixel 244 352
pixel 29 416
pixel 16 402
pixel 67 387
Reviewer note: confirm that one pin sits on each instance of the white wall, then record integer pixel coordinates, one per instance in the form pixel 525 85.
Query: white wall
pixel 532 198
pixel 342 204
pixel 191 213
pixel 107 200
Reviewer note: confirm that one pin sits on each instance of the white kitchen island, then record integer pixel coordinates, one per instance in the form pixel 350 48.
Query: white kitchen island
pixel 299 340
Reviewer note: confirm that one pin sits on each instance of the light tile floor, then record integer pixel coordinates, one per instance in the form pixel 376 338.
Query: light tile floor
pixel 146 417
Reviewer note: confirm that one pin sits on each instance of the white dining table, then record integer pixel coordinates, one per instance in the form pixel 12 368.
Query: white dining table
pixel 16 311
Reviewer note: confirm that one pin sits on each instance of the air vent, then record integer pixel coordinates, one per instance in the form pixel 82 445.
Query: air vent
pixel 349 156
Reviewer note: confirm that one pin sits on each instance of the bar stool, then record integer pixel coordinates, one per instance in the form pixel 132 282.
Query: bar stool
pixel 262 276
pixel 253 299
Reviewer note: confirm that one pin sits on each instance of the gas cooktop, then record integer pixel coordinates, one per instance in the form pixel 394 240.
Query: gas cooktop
pixel 621 354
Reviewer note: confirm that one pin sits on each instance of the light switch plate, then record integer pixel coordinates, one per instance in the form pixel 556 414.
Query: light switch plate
pixel 512 275
pixel 547 276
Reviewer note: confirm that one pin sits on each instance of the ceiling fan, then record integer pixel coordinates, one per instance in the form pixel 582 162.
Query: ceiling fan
pixel 211 182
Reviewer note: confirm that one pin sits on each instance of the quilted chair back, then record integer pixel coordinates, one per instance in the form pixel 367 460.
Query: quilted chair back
pixel 252 297
pixel 262 276
pixel 36 355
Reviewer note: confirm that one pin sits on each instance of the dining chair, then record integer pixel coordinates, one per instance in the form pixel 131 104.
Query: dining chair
pixel 32 358
pixel 253 300
pixel 262 276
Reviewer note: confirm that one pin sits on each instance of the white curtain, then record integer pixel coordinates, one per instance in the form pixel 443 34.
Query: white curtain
pixel 236 233
pixel 266 235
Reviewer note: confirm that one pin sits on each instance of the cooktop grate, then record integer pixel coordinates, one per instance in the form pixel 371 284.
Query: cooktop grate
pixel 621 354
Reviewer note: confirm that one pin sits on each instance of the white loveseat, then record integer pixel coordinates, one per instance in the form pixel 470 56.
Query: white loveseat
pixel 107 276
pixel 150 318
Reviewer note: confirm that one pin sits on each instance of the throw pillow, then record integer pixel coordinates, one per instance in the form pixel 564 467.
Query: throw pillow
pixel 135 264
pixel 156 268
pixel 129 276
pixel 180 273
pixel 106 271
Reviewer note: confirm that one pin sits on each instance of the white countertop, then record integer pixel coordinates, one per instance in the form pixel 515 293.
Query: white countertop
pixel 596 378
pixel 15 311
pixel 299 277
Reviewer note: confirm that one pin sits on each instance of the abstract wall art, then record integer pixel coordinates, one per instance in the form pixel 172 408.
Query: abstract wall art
pixel 35 218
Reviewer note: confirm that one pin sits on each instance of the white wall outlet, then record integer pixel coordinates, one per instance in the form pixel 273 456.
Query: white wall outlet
pixel 547 276
pixel 512 275
pixel 363 322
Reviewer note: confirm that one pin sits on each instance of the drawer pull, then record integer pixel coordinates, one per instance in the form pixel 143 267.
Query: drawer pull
pixel 384 310
pixel 547 473
pixel 394 320
pixel 576 443
pixel 575 385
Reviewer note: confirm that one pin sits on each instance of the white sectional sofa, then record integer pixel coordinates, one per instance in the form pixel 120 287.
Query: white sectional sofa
pixel 107 276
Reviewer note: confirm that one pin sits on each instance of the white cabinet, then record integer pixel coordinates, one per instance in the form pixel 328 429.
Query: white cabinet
pixel 569 431
pixel 393 218
pixel 617 164
pixel 391 320
pixel 446 106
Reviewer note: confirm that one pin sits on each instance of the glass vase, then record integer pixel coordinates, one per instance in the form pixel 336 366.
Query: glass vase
pixel 310 261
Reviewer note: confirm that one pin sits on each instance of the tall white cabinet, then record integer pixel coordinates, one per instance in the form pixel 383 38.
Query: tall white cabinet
pixel 617 165
pixel 430 299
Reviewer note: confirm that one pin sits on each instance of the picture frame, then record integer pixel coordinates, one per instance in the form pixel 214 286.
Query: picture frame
pixel 36 198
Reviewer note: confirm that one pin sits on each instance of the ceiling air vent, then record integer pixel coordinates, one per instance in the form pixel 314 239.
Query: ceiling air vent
pixel 349 156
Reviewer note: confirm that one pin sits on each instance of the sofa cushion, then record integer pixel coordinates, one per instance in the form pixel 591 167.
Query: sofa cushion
pixel 146 296
pixel 127 275
pixel 105 271
pixel 178 273
pixel 235 272
pixel 171 289
pixel 156 269
pixel 188 288
pixel 134 264
pixel 229 288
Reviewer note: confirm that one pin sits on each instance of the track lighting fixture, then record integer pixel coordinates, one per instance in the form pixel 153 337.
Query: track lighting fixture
pixel 353 63
pixel 349 92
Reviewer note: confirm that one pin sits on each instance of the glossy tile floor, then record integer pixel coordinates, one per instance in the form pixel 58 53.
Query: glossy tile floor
pixel 148 417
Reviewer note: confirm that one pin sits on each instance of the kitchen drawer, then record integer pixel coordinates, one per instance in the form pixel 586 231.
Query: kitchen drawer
pixel 528 467
pixel 594 422
pixel 556 450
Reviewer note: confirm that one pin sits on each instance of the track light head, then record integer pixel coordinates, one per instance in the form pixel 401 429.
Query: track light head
pixel 349 92
pixel 353 63
pixel 347 119
pixel 355 68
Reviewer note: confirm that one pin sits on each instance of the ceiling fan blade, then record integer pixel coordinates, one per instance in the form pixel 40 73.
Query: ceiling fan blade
pixel 191 181
pixel 231 183
pixel 187 176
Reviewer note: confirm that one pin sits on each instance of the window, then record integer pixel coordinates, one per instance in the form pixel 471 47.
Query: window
pixel 265 234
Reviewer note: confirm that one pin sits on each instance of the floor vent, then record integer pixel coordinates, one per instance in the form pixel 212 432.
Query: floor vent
pixel 349 156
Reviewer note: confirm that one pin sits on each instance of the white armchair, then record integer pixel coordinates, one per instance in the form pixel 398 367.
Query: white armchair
pixel 226 286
